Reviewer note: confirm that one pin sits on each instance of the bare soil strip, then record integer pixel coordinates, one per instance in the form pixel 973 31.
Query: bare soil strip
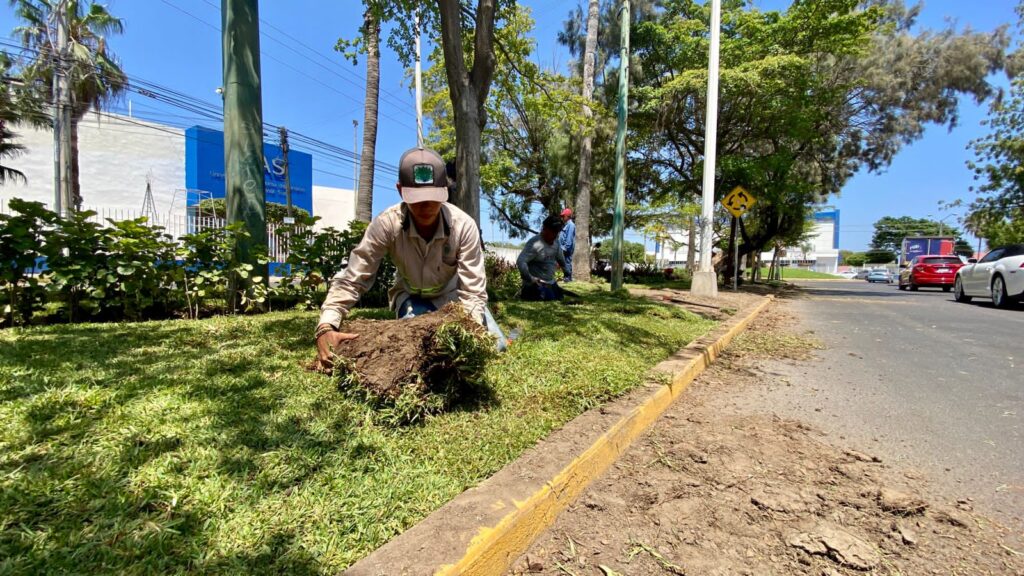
pixel 716 489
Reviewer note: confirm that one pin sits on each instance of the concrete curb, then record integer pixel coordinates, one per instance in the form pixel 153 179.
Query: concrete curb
pixel 484 529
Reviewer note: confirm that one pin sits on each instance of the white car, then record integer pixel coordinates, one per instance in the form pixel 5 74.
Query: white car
pixel 999 276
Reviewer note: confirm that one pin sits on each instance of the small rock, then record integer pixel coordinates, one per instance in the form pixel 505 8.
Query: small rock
pixel 906 535
pixel 534 564
pixel 839 545
pixel 900 502
pixel 953 518
pixel 862 457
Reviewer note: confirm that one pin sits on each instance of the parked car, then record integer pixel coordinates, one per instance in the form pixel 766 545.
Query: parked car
pixel 931 270
pixel 862 275
pixel 847 275
pixel 879 276
pixel 999 276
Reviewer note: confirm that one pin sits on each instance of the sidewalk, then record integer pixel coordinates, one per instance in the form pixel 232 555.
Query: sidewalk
pixel 717 488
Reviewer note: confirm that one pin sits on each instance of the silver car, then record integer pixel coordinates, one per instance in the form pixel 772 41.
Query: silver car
pixel 879 276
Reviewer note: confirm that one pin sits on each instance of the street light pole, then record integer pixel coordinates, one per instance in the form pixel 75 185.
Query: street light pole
pixel 618 216
pixel 705 281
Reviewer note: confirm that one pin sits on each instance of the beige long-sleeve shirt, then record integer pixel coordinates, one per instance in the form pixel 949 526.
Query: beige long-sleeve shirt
pixel 446 268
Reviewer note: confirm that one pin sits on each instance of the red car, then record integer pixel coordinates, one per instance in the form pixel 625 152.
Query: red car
pixel 938 271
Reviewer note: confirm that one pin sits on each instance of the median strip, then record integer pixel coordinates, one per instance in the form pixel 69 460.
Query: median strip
pixel 485 528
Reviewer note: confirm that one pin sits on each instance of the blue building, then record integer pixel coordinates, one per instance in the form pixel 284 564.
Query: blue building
pixel 204 170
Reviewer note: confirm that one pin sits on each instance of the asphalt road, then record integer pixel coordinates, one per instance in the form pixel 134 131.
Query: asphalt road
pixel 920 380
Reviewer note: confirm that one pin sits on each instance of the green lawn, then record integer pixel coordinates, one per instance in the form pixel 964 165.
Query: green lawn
pixel 205 447
pixel 800 274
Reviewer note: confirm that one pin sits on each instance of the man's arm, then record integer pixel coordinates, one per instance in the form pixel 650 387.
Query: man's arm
pixel 352 282
pixel 560 257
pixel 523 262
pixel 472 274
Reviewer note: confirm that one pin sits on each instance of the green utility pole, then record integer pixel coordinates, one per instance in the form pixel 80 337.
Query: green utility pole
pixel 243 126
pixel 620 153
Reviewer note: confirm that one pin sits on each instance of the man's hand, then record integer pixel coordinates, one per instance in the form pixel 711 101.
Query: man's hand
pixel 325 346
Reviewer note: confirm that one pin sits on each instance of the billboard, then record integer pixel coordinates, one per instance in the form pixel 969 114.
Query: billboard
pixel 204 169
pixel 926 245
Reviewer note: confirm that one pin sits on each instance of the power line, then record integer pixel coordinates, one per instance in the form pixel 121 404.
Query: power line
pixel 394 100
pixel 209 111
pixel 289 66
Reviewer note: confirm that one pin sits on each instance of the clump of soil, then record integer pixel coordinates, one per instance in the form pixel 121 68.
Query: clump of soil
pixel 416 367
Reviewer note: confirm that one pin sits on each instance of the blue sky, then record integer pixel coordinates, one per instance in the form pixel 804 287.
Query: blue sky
pixel 310 88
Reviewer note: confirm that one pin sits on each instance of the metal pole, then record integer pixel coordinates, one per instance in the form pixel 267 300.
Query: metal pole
pixel 419 89
pixel 243 126
pixel 705 282
pixel 283 132
pixel 618 216
pixel 735 254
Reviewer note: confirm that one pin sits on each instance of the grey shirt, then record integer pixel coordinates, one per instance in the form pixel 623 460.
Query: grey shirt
pixel 538 259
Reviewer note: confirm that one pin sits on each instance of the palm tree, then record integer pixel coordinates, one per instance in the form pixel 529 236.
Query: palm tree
pixel 8 116
pixel 581 258
pixel 94 76
pixel 371 34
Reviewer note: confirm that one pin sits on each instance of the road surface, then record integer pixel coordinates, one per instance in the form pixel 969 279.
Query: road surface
pixel 920 380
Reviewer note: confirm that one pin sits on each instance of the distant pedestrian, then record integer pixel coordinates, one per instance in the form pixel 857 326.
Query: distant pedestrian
pixel 567 240
pixel 537 263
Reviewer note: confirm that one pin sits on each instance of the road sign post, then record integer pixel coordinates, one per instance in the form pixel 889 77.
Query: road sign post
pixel 737 203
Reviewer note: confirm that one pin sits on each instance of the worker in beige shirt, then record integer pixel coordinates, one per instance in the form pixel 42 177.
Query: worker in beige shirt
pixel 436 249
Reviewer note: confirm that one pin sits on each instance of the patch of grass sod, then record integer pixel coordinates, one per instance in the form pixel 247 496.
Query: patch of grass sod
pixel 205 447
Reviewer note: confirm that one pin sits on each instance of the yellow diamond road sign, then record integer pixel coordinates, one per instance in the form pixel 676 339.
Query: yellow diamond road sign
pixel 738 201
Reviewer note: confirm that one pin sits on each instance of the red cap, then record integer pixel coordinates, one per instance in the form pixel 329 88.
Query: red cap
pixel 567 212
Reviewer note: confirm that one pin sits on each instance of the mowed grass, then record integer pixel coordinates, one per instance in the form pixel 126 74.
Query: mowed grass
pixel 205 447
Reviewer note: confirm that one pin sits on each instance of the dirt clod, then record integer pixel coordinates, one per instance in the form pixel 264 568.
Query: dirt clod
pixel 418 366
pixel 900 503
pixel 839 545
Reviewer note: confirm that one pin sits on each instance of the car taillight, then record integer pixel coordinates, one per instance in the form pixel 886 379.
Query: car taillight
pixel 920 268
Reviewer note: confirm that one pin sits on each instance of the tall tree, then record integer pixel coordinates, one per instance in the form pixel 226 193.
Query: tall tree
pixel 997 214
pixel 94 76
pixel 371 32
pixel 9 148
pixel 581 258
pixel 466 32
pixel 809 97
pixel 527 145
pixel 890 231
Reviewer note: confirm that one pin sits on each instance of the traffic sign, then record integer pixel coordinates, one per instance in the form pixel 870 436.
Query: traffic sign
pixel 738 201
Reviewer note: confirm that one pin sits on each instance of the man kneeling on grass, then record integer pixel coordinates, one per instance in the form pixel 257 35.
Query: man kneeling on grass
pixel 537 261
pixel 435 247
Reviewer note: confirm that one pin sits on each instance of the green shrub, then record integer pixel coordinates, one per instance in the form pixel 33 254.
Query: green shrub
pixel 23 238
pixel 503 279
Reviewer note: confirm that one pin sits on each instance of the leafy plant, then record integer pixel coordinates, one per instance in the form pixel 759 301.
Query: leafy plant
pixel 503 279
pixel 22 246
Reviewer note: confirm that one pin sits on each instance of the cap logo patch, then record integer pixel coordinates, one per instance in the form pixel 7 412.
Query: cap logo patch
pixel 423 174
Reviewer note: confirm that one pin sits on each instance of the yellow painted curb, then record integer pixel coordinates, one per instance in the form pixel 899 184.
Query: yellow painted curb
pixel 493 549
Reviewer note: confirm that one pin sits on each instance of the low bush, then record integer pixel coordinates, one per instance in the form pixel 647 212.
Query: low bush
pixel 75 269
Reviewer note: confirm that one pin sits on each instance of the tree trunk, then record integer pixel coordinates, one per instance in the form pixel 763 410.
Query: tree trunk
pixel 691 248
pixel 76 186
pixel 364 209
pixel 468 140
pixel 468 89
pixel 581 258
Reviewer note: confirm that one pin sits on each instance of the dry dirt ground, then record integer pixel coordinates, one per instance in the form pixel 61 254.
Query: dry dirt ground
pixel 714 489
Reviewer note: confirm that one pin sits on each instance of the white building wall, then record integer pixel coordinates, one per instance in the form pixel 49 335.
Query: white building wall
pixel 336 207
pixel 115 156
